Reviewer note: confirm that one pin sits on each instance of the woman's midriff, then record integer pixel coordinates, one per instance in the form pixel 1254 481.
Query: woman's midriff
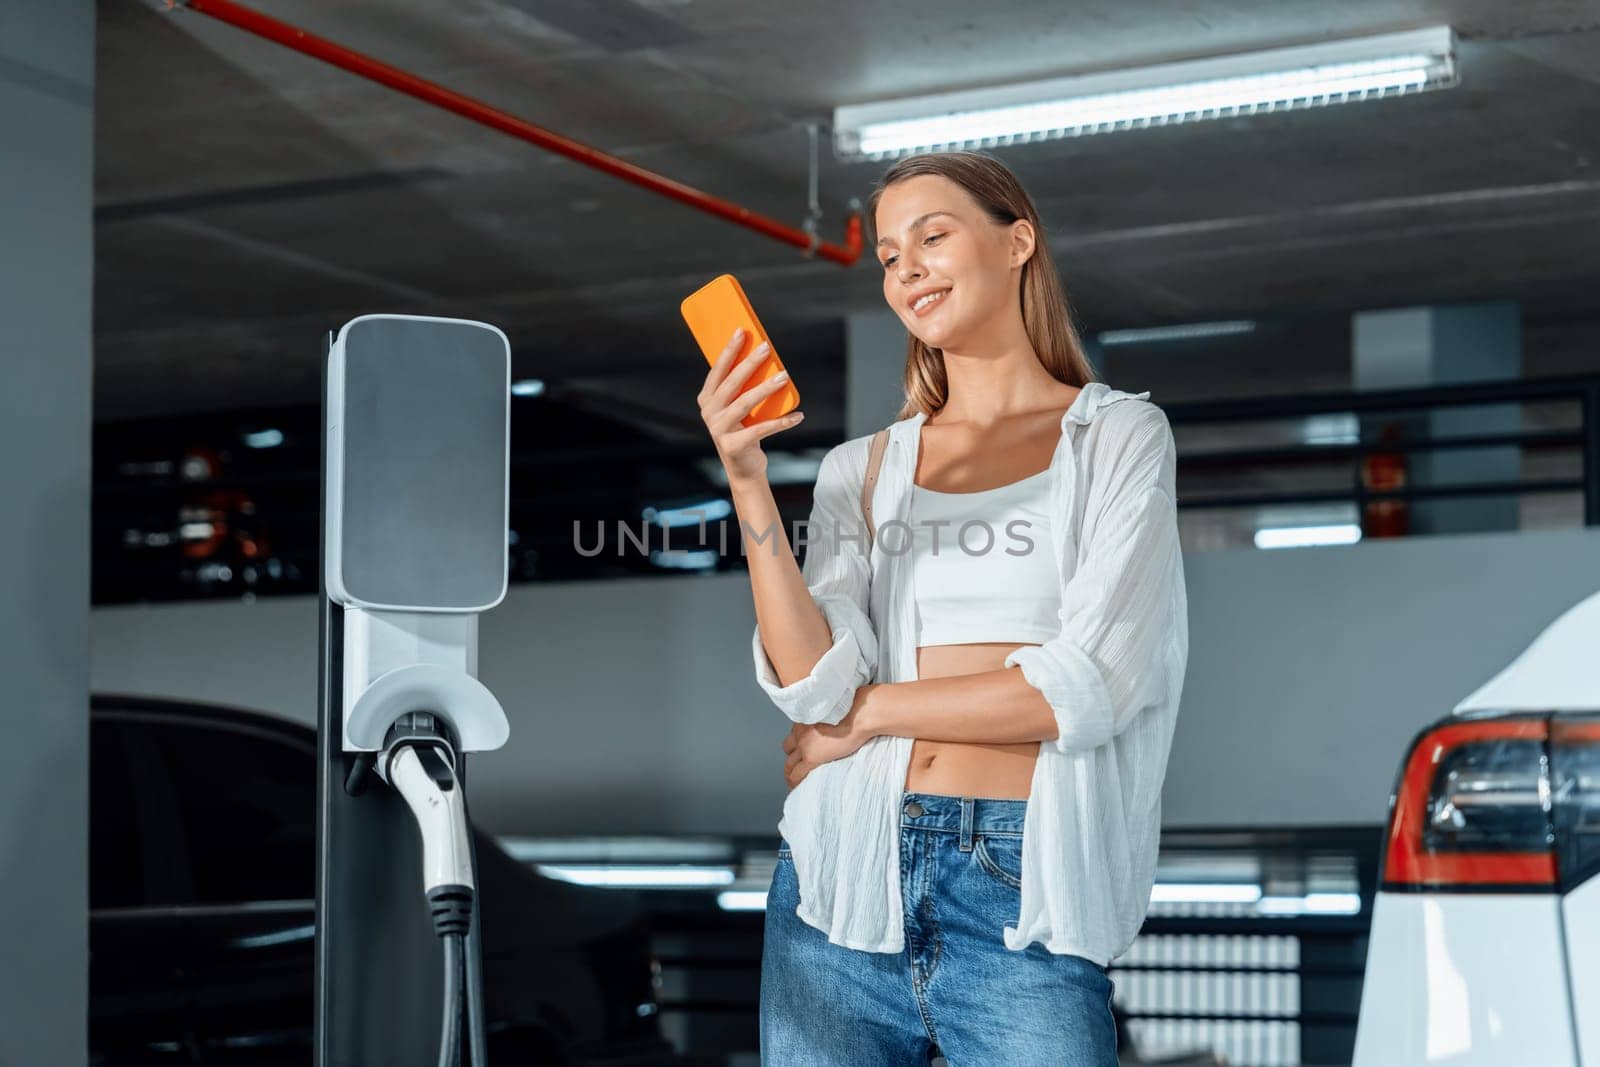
pixel 961 768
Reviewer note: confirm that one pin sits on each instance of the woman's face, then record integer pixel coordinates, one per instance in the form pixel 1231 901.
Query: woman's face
pixel 935 239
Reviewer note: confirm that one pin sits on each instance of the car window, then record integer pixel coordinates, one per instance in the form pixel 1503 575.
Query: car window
pixel 246 809
pixel 116 875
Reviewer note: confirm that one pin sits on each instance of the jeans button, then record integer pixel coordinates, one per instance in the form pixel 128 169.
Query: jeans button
pixel 913 809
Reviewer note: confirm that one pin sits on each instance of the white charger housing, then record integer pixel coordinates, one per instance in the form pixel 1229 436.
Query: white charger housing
pixel 416 514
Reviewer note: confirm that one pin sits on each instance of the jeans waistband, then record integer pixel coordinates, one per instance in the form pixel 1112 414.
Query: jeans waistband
pixel 962 815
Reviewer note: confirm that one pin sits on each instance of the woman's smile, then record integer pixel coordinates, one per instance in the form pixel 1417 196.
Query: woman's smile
pixel 924 305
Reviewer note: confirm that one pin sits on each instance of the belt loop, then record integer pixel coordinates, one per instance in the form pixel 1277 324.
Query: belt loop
pixel 967 804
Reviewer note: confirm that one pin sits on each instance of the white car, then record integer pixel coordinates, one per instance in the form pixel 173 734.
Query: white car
pixel 1485 942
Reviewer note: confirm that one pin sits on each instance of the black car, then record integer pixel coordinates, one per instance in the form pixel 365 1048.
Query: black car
pixel 202 869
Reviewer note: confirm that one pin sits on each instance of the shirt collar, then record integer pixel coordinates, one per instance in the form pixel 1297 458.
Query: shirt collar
pixel 1094 396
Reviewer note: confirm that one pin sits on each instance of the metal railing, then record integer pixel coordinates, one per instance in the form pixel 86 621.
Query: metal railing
pixel 1584 390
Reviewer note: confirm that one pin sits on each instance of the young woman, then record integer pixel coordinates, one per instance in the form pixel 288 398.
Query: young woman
pixel 965 846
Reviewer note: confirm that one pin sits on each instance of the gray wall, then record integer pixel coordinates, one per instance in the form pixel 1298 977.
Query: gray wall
pixel 1311 669
pixel 634 708
pixel 46 281
pixel 633 704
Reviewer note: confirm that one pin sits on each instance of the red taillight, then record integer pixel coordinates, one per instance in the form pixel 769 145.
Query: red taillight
pixel 1473 809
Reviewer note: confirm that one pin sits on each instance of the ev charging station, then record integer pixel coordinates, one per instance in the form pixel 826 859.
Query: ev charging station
pixel 416 436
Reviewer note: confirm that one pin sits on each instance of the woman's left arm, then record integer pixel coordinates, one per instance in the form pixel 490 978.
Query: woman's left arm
pixel 1123 638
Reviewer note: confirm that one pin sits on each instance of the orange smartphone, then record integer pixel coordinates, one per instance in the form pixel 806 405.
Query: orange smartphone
pixel 713 312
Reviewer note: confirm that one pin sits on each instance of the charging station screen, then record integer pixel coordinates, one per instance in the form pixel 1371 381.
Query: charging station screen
pixel 424 442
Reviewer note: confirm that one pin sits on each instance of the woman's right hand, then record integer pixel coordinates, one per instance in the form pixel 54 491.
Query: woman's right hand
pixel 722 408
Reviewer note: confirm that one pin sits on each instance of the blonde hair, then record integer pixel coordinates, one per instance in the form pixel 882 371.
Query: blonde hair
pixel 1045 315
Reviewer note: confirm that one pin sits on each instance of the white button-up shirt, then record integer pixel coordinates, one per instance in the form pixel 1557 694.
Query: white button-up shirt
pixel 1112 676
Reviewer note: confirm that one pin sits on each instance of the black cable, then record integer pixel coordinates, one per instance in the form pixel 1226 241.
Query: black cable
pixel 477 1045
pixel 451 906
pixel 450 1029
pixel 477 1039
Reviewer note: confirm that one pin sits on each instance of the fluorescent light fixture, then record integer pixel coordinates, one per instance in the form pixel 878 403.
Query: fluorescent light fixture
pixel 1204 893
pixel 682 876
pixel 276 937
pixel 527 387
pixel 1278 79
pixel 742 900
pixel 653 850
pixel 1331 430
pixel 684 560
pixel 690 515
pixel 1306 536
pixel 1183 332
pixel 264 439
pixel 1311 904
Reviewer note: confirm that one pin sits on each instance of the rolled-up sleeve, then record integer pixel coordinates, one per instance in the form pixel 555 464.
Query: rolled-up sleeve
pixel 1124 625
pixel 838 574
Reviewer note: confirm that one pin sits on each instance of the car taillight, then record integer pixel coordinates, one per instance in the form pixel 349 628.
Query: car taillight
pixel 1510 803
pixel 1575 796
pixel 1473 809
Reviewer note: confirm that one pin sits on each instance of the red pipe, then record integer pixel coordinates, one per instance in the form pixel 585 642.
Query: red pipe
pixel 320 48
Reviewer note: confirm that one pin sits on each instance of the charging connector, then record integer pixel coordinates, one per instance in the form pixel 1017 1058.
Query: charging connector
pixel 418 759
pixel 423 773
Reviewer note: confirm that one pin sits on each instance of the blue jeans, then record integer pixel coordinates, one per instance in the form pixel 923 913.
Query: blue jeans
pixel 956 990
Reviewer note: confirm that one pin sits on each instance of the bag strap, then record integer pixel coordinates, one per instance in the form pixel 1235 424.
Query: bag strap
pixel 874 461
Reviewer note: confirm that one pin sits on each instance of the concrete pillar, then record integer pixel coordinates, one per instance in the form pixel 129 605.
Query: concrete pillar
pixel 46 282
pixel 875 364
pixel 1395 348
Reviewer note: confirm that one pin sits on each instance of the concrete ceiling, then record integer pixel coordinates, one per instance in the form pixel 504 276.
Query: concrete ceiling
pixel 248 198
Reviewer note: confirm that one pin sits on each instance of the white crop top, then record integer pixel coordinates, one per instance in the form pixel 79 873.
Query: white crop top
pixel 982 565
